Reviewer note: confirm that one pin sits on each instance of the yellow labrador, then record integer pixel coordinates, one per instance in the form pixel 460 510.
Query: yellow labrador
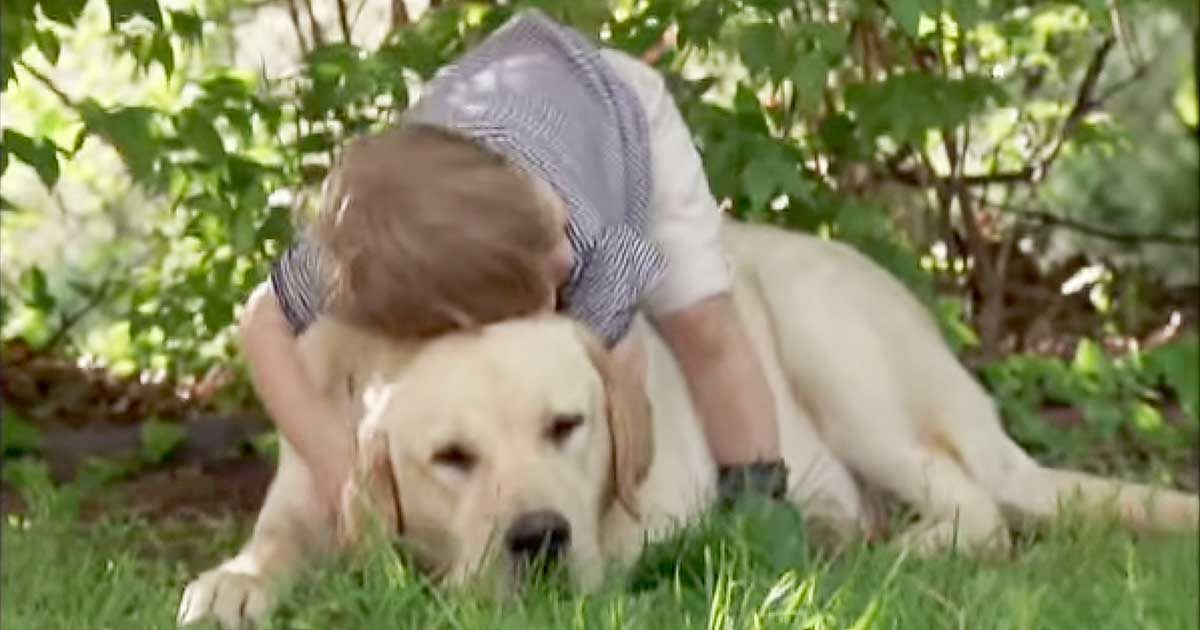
pixel 516 442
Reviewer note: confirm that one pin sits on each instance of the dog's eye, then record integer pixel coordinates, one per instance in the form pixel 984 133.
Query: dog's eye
pixel 456 457
pixel 562 427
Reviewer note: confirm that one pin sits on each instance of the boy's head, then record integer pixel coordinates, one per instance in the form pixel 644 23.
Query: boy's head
pixel 425 232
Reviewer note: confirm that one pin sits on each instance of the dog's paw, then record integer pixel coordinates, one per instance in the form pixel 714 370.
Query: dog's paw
pixel 234 600
pixel 931 539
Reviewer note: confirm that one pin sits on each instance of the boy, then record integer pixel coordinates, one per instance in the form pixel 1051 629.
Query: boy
pixel 535 172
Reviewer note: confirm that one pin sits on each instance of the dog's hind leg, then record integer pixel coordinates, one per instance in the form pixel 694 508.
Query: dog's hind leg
pixel 972 427
pixel 954 509
pixel 291 528
pixel 818 483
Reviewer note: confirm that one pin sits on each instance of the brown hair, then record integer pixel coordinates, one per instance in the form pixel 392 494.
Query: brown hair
pixel 422 232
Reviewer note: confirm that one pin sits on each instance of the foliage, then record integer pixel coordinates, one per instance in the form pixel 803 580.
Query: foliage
pixel 1122 424
pixel 826 110
pixel 729 572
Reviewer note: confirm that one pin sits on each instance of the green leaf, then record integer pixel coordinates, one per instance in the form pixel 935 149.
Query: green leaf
pixel 41 154
pixel 954 324
pixel 809 76
pixel 187 25
pixel 18 435
pixel 1147 418
pixel 242 231
pixel 63 11
pixel 827 39
pixel 749 110
pixel 198 132
pixel 47 42
pixel 763 177
pixel 277 227
pixel 120 11
pixel 160 439
pixel 130 131
pixel 907 105
pixel 1089 358
pixel 266 445
pixel 758 46
pixel 1178 364
pixel 839 136
pixel 217 313
pixel 101 471
pixel 35 286
pixel 1104 416
pixel 162 52
pixel 907 14
pixel 318 142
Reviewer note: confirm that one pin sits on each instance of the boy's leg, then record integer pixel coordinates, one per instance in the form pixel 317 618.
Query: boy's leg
pixel 691 304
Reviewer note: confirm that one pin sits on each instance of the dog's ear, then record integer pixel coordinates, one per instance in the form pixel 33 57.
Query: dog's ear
pixel 372 497
pixel 629 424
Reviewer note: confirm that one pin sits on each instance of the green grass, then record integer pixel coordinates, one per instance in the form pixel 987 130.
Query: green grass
pixel 749 570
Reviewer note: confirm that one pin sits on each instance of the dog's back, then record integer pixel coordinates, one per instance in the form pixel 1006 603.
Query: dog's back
pixel 869 363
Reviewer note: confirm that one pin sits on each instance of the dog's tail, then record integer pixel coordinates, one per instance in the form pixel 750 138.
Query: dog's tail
pixel 972 427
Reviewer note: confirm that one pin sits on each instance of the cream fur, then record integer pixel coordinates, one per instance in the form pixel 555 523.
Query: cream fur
pixel 870 399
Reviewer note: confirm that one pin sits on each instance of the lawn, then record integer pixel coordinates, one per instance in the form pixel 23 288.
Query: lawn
pixel 751 569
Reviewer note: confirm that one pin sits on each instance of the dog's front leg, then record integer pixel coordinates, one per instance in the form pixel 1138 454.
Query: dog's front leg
pixel 292 528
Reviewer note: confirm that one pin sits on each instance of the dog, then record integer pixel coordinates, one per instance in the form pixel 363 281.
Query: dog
pixel 516 445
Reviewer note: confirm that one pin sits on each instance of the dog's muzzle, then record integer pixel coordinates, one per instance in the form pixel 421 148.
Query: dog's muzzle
pixel 537 541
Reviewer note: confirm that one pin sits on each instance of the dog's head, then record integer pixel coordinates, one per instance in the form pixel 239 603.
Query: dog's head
pixel 495 451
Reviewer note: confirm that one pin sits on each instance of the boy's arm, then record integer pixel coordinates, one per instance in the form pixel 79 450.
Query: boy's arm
pixel 290 397
pixel 725 379
pixel 629 355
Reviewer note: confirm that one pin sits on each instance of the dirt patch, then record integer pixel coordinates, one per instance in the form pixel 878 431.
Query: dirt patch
pixel 210 489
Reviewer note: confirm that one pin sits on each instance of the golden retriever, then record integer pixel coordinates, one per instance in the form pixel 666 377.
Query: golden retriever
pixel 517 443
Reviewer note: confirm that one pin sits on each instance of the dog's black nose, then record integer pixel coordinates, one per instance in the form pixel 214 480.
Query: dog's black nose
pixel 543 533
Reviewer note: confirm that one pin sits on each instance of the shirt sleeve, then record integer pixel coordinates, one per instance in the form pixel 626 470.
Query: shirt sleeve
pixel 684 219
pixel 294 279
pixel 615 271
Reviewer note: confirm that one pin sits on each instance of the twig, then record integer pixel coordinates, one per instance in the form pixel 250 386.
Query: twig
pixel 362 4
pixel 294 14
pixel 1121 29
pixel 399 14
pixel 67 322
pixel 317 37
pixel 1084 102
pixel 1164 238
pixel 49 84
pixel 344 20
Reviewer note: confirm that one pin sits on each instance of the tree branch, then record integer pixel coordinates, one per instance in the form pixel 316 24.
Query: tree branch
pixel 1164 238
pixel 1085 102
pixel 399 14
pixel 49 84
pixel 344 20
pixel 294 15
pixel 317 37
pixel 67 322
